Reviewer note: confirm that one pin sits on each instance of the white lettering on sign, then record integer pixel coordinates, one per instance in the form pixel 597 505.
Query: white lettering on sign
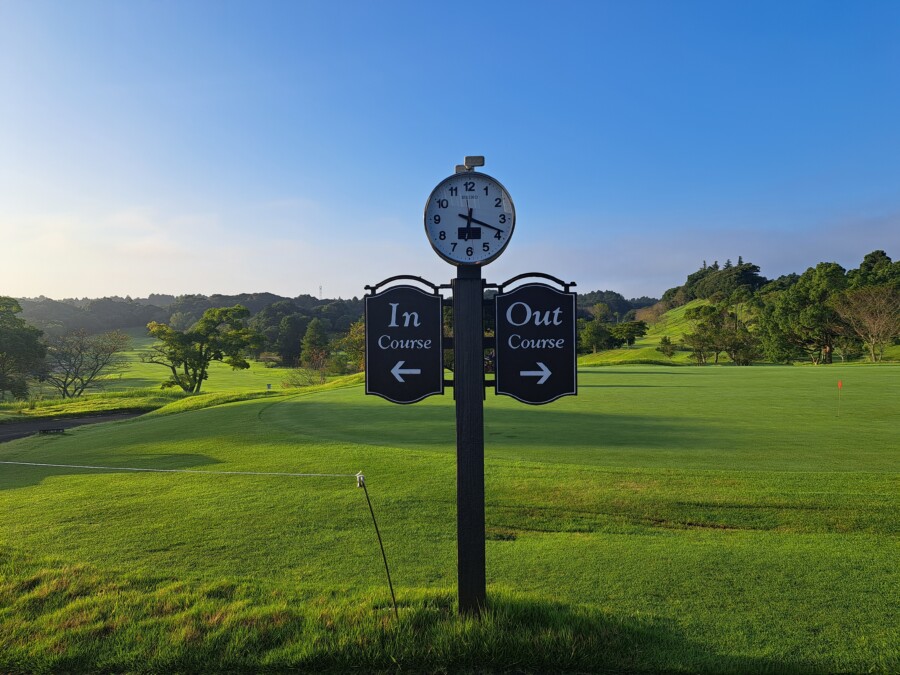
pixel 408 317
pixel 528 315
pixel 387 342
pixel 517 342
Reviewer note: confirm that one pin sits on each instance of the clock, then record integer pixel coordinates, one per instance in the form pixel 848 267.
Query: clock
pixel 469 218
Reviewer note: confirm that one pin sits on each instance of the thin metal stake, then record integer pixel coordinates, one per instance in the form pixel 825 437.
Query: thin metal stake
pixel 361 482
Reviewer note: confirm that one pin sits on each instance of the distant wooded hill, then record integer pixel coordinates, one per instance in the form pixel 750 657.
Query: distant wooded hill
pixel 117 313
pixel 617 306
pixel 97 315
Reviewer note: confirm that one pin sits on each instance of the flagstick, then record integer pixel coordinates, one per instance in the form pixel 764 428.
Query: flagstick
pixel 840 389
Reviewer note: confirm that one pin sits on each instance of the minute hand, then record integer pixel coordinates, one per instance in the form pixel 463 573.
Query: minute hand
pixel 481 222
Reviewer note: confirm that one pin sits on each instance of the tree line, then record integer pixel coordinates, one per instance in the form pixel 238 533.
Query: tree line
pixel 812 316
pixel 824 311
pixel 71 362
pixel 76 343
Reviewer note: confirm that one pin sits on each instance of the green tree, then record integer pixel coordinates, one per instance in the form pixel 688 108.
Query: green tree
pixel 21 350
pixel 774 342
pixel 698 345
pixel 741 344
pixel 291 330
pixel 629 331
pixel 666 346
pixel 182 320
pixel 876 269
pixel 314 346
pixel 221 334
pixel 719 328
pixel 802 317
pixel 849 347
pixel 594 336
pixel 353 344
pixel 709 335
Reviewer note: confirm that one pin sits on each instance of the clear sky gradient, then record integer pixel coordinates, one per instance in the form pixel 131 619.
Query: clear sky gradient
pixel 224 147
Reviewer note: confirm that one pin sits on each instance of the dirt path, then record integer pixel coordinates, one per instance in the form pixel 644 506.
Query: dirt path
pixel 14 430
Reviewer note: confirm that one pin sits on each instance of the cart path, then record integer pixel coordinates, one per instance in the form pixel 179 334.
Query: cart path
pixel 13 430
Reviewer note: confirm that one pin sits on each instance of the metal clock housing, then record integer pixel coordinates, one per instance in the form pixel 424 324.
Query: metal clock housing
pixel 469 218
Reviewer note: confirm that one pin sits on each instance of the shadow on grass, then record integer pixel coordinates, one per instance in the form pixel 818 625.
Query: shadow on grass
pixel 521 635
pixel 16 429
pixel 632 386
pixel 631 371
pixel 76 618
pixel 428 426
pixel 514 635
pixel 424 427
pixel 29 473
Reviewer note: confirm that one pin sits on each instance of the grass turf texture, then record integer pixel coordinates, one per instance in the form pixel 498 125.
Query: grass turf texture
pixel 701 519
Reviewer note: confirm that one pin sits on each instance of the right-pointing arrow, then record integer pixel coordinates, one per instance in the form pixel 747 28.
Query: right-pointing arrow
pixel 543 373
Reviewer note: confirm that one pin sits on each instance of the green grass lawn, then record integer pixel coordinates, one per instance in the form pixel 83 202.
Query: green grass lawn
pixel 221 376
pixel 138 387
pixel 678 519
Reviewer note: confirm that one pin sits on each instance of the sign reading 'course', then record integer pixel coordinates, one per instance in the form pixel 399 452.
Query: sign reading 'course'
pixel 535 344
pixel 404 350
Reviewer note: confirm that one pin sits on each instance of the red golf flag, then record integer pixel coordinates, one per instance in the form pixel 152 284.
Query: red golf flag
pixel 840 384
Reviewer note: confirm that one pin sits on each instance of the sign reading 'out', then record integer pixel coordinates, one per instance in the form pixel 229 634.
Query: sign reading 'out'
pixel 404 349
pixel 535 344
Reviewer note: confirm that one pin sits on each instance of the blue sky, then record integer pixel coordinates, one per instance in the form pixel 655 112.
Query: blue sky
pixel 203 147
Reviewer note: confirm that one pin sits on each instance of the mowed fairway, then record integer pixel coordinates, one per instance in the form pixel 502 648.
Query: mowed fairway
pixel 700 519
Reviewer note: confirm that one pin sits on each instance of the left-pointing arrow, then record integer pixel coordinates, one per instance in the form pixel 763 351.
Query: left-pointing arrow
pixel 399 370
pixel 543 373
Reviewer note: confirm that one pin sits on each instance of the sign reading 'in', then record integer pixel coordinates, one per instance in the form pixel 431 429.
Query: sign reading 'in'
pixel 535 344
pixel 404 350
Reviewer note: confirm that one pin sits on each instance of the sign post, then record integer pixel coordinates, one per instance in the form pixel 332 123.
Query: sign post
pixel 468 386
pixel 535 360
pixel 404 349
pixel 469 220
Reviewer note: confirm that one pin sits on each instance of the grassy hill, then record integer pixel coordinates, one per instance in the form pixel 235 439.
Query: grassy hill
pixel 675 325
pixel 666 519
pixel 672 323
pixel 644 351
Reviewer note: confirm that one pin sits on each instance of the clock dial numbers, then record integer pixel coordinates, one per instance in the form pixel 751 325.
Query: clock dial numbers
pixel 482 218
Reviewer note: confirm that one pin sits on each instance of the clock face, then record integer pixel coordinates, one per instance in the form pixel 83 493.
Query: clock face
pixel 469 218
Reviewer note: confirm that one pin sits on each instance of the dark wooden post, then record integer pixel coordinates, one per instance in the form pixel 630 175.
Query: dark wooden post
pixel 468 387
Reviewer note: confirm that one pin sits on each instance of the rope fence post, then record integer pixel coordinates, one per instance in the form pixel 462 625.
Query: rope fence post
pixel 361 482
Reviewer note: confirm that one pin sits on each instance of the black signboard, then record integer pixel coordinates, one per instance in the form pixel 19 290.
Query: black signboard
pixel 535 358
pixel 404 350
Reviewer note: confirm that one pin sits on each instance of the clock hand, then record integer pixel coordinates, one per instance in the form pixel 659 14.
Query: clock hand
pixel 468 218
pixel 481 222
